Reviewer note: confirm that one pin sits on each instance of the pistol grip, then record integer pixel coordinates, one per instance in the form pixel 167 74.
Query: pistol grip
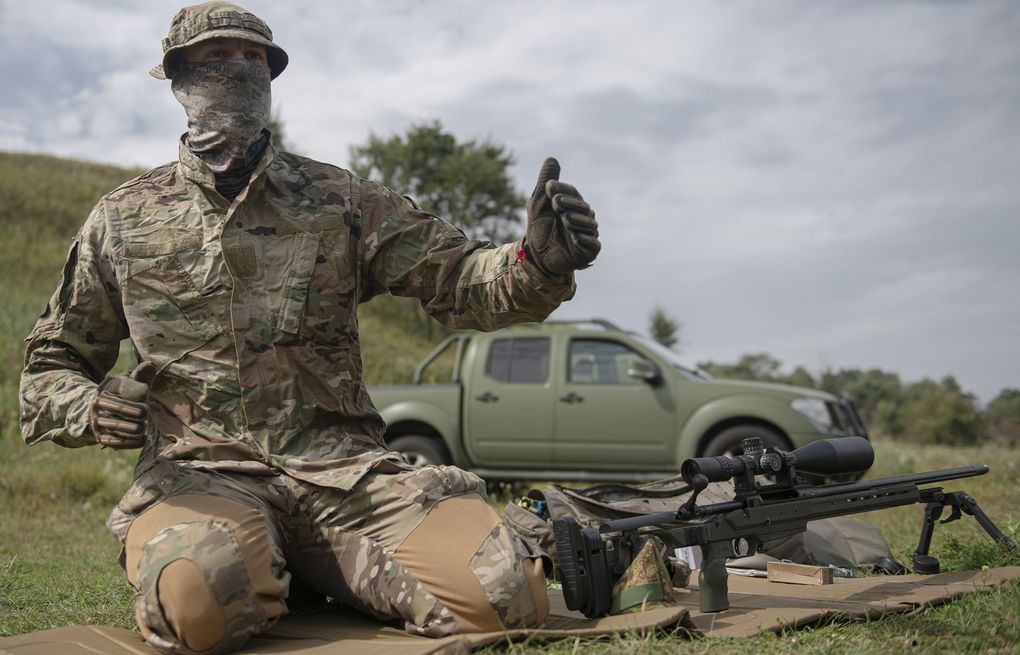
pixel 713 586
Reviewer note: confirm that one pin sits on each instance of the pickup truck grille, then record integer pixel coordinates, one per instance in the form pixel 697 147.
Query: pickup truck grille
pixel 846 417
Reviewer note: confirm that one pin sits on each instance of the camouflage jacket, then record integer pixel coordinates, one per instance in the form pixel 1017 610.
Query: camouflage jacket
pixel 249 310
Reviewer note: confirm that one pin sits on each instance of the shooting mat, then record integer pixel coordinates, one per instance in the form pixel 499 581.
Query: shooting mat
pixel 756 605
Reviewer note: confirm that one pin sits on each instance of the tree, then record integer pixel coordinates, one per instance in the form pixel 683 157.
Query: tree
pixel 888 417
pixel 1004 416
pixel 663 328
pixel 467 183
pixel 801 378
pixel 278 133
pixel 761 367
pixel 878 395
pixel 942 413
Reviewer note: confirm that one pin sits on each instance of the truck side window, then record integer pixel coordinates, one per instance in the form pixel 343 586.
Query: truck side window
pixel 597 361
pixel 521 360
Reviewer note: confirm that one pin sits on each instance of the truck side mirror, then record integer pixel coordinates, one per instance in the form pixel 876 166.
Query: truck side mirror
pixel 644 370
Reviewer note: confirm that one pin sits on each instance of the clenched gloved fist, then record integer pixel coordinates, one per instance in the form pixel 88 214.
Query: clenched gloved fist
pixel 120 411
pixel 562 234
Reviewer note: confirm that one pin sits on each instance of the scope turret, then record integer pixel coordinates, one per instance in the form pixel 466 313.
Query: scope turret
pixel 823 457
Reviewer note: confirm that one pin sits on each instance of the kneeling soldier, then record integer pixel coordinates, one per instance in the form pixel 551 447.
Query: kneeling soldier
pixel 236 273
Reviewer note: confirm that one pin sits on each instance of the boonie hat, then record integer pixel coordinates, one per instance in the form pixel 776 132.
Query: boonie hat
pixel 217 20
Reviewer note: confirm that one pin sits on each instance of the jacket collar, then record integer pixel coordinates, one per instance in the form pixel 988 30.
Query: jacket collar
pixel 193 168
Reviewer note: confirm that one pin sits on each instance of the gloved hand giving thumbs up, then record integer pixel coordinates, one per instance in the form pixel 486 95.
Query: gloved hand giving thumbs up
pixel 562 234
pixel 120 410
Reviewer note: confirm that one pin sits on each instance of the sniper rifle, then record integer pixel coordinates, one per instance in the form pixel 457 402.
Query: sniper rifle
pixel 590 559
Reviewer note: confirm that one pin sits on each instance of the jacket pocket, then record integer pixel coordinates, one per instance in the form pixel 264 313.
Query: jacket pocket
pixel 192 304
pixel 167 315
pixel 299 277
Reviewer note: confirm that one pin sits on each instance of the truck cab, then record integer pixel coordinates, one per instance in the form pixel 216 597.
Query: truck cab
pixel 588 401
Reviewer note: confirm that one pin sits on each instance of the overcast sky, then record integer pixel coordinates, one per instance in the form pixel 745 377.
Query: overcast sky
pixel 835 183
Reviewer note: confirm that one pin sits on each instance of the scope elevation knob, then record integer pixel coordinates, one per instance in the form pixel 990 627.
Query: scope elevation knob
pixel 752 446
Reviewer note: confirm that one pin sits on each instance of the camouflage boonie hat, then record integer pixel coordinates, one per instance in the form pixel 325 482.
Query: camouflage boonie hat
pixel 217 20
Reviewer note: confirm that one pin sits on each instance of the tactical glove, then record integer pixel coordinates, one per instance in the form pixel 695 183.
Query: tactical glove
pixel 562 234
pixel 120 411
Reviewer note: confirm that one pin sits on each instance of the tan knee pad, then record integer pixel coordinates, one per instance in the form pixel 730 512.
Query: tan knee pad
pixel 208 573
pixel 189 606
pixel 463 554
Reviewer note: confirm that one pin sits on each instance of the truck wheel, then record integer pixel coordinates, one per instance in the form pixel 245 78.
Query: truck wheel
pixel 420 451
pixel 727 443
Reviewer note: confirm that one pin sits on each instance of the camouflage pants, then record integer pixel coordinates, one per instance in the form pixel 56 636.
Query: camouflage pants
pixel 211 555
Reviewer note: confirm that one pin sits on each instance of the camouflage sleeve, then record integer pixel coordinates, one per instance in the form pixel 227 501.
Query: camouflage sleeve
pixel 74 344
pixel 460 282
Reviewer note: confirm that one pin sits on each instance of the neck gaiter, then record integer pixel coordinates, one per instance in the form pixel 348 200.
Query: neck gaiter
pixel 227 103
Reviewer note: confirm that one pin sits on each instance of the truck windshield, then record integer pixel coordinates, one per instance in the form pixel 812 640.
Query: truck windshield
pixel 671 357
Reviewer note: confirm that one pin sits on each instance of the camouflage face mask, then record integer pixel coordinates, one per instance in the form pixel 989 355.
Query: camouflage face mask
pixel 227 103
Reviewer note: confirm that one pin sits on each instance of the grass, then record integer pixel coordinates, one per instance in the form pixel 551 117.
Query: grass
pixel 58 565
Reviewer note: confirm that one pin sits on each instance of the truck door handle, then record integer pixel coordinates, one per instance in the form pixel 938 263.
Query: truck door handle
pixel 571 398
pixel 487 397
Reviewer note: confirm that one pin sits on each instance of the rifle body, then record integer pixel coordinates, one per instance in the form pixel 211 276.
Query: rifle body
pixel 723 534
pixel 759 514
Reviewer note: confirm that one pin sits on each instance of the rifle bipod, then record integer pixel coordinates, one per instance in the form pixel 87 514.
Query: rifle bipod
pixel 959 503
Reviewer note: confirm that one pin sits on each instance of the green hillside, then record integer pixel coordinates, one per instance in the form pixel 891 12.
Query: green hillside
pixel 44 200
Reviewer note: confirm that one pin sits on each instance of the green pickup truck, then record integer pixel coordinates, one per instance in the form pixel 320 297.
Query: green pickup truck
pixel 588 401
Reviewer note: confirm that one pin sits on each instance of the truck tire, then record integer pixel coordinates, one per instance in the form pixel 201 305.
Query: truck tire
pixel 420 451
pixel 727 443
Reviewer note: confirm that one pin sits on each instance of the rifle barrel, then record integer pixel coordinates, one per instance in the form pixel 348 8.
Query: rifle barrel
pixel 925 477
pixel 773 495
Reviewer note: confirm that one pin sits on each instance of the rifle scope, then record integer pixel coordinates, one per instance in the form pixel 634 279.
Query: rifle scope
pixel 824 457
